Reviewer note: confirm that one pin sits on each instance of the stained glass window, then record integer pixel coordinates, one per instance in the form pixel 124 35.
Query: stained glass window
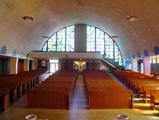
pixel 52 43
pixel 90 38
pixel 45 47
pixel 70 38
pixel 97 41
pixel 62 40
pixel 100 41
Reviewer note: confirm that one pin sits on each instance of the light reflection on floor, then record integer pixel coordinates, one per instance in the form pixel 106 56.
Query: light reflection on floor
pixel 93 114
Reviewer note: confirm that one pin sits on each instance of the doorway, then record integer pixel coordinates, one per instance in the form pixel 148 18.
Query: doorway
pixel 54 65
pixel 140 65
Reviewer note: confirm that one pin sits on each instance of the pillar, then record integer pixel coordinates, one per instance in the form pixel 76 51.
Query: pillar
pixel 147 65
pixel 60 64
pixel 26 65
pixel 13 65
pixel 80 38
pixel 48 65
pixel 34 64
pixel 134 65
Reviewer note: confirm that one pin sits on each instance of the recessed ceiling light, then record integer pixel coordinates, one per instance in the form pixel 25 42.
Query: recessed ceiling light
pixel 27 18
pixel 132 18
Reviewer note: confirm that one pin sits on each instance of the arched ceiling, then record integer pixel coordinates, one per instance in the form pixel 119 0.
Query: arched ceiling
pixel 51 15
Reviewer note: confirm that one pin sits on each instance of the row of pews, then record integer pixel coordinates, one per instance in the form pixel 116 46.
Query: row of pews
pixel 53 93
pixel 145 86
pixel 104 92
pixel 12 87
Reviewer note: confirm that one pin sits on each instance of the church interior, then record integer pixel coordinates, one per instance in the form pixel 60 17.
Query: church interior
pixel 79 60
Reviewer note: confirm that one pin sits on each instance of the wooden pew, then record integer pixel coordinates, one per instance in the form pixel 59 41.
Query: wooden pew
pixel 4 99
pixel 154 98
pixel 47 99
pixel 104 92
pixel 56 92
pixel 110 99
pixel 12 87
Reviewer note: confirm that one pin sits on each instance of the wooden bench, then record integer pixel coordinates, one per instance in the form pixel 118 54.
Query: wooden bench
pixel 56 92
pixel 13 87
pixel 109 99
pixel 106 93
pixel 154 98
pixel 47 99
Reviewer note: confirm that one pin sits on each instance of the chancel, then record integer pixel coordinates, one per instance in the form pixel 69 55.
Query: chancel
pixel 79 60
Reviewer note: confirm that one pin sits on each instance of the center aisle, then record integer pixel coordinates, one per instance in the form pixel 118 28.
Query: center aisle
pixel 79 97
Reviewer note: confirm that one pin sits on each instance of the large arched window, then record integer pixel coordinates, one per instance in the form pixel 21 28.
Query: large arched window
pixel 100 41
pixel 63 40
pixel 97 41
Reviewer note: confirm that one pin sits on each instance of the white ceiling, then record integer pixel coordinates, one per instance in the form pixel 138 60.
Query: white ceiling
pixel 51 15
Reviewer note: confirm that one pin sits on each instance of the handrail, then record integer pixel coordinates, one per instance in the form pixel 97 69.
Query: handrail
pixel 113 66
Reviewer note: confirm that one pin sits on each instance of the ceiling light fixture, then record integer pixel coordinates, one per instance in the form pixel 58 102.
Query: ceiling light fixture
pixel 27 18
pixel 132 18
pixel 45 36
pixel 114 36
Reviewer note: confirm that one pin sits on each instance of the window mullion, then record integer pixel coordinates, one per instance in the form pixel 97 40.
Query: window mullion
pixel 113 51
pixel 95 39
pixel 104 44
pixel 56 42
pixel 65 39
pixel 47 46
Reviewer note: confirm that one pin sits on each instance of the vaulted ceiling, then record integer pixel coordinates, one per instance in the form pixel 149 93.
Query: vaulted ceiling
pixel 51 15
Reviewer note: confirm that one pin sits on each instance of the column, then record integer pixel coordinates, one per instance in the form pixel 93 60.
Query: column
pixel 147 65
pixel 13 65
pixel 48 65
pixel 26 65
pixel 34 64
pixel 134 65
pixel 80 38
